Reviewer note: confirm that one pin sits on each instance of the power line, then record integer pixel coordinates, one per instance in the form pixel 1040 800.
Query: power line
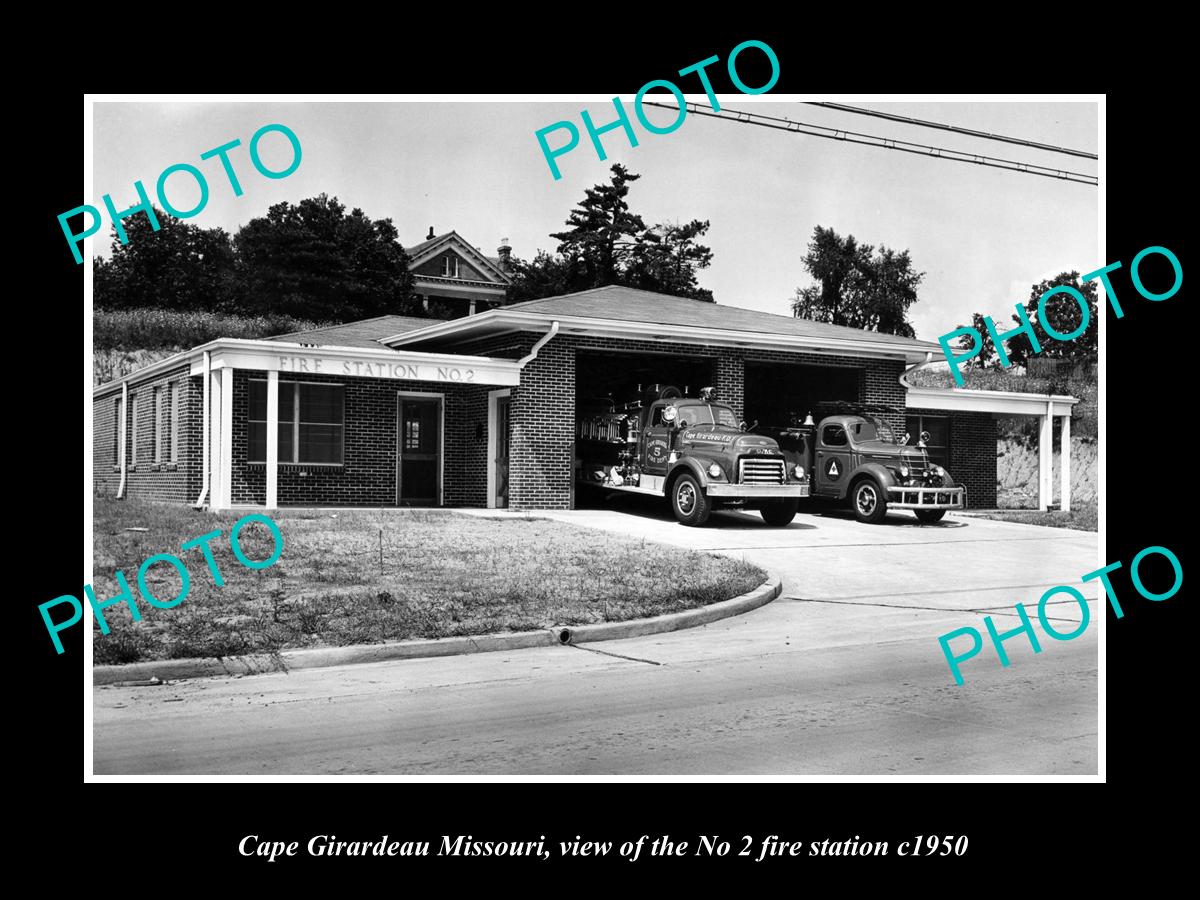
pixel 870 140
pixel 925 123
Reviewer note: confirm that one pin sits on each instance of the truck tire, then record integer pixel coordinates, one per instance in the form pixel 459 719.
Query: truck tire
pixel 781 512
pixel 929 516
pixel 689 502
pixel 868 501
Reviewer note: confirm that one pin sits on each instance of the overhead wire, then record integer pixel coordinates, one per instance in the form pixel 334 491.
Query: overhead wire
pixel 870 140
pixel 957 129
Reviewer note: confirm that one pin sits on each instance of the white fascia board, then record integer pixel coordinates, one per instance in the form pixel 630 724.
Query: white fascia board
pixel 286 356
pixel 501 319
pixel 967 400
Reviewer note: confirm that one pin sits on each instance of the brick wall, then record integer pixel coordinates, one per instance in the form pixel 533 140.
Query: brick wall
pixel 973 438
pixel 367 476
pixel 174 482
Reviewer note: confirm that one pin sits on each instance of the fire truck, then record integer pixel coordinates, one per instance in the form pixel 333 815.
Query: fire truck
pixel 855 458
pixel 692 451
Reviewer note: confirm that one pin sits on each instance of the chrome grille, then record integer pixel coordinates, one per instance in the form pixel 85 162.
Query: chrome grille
pixel 761 470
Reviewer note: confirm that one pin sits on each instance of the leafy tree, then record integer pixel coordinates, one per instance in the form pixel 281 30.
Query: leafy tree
pixel 857 286
pixel 315 261
pixel 603 233
pixel 667 257
pixel 1064 316
pixel 180 266
pixel 606 243
pixel 987 349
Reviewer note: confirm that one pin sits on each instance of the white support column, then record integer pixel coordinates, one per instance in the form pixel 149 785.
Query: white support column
pixel 272 440
pixel 1046 458
pixel 226 439
pixel 1066 461
pixel 216 476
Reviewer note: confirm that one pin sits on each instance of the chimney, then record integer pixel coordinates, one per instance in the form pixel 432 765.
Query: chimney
pixel 504 251
pixel 429 237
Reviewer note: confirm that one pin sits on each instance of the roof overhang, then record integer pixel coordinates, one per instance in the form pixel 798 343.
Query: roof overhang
pixel 364 362
pixel 1001 402
pixel 504 321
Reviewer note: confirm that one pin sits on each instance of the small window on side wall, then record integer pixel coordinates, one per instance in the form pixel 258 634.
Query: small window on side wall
pixel 449 266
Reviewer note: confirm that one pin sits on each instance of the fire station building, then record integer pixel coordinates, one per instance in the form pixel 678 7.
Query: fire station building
pixel 481 410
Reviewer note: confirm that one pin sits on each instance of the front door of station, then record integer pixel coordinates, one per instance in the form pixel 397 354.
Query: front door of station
pixel 502 408
pixel 418 466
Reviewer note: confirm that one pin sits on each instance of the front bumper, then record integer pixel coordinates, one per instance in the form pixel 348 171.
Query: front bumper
pixel 901 497
pixel 759 491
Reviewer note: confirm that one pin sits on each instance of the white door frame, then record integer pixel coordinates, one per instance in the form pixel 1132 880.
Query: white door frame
pixel 493 396
pixel 441 399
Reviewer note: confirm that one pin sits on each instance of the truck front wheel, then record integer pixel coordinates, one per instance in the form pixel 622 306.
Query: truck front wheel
pixel 780 513
pixel 688 501
pixel 869 502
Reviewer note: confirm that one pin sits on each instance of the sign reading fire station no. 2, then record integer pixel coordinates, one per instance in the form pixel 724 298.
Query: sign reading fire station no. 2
pixel 316 365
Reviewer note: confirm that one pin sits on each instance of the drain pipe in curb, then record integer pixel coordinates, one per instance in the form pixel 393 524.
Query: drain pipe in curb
pixel 542 342
pixel 121 438
pixel 204 442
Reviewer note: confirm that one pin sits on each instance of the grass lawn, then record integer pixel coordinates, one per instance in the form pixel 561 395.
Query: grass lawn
pixel 1084 517
pixel 442 574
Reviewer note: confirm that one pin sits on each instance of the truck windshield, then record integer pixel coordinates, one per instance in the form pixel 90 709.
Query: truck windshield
pixel 872 430
pixel 707 414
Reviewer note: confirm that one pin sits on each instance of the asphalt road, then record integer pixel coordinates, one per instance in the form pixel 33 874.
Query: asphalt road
pixel 842 675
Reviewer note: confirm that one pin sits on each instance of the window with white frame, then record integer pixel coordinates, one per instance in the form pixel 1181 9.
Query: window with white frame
pixel 311 422
pixel 117 431
pixel 133 449
pixel 173 430
pixel 157 426
pixel 449 266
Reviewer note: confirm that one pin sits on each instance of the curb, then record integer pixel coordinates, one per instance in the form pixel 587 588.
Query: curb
pixel 319 657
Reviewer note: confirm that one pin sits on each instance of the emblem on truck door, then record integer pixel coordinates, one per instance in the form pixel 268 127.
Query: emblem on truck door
pixel 656 451
pixel 832 470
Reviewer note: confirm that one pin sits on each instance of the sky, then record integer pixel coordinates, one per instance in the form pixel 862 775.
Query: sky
pixel 982 235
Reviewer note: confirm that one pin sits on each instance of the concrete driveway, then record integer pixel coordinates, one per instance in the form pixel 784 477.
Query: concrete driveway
pixel 842 674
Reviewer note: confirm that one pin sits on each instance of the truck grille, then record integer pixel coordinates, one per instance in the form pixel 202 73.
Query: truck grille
pixel 760 470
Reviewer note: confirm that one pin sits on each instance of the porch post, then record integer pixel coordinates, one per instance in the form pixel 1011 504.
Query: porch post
pixel 1046 458
pixel 1066 461
pixel 272 440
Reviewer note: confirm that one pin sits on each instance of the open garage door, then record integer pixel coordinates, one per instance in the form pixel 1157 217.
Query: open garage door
pixel 778 392
pixel 607 382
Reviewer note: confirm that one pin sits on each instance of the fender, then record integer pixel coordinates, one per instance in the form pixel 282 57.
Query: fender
pixel 692 467
pixel 879 472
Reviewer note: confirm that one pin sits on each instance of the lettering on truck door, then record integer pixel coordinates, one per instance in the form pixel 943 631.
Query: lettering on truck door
pixel 656 443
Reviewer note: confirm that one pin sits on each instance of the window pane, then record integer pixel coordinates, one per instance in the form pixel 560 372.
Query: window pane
pixel 939 430
pixel 287 403
pixel 257 442
pixel 258 401
pixel 287 451
pixel 321 403
pixel 833 436
pixel 321 443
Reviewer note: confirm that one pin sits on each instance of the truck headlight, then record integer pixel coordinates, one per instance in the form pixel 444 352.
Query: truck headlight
pixel 938 471
pixel 714 470
pixel 798 472
pixel 904 471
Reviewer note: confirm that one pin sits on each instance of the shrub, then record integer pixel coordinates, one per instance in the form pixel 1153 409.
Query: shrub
pixel 153 329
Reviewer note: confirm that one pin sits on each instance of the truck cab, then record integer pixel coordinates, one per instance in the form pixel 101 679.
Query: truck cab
pixel 857 459
pixel 696 454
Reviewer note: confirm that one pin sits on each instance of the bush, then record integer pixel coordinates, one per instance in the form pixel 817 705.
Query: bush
pixel 154 329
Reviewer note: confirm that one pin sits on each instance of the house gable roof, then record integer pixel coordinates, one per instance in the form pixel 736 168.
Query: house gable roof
pixel 452 240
